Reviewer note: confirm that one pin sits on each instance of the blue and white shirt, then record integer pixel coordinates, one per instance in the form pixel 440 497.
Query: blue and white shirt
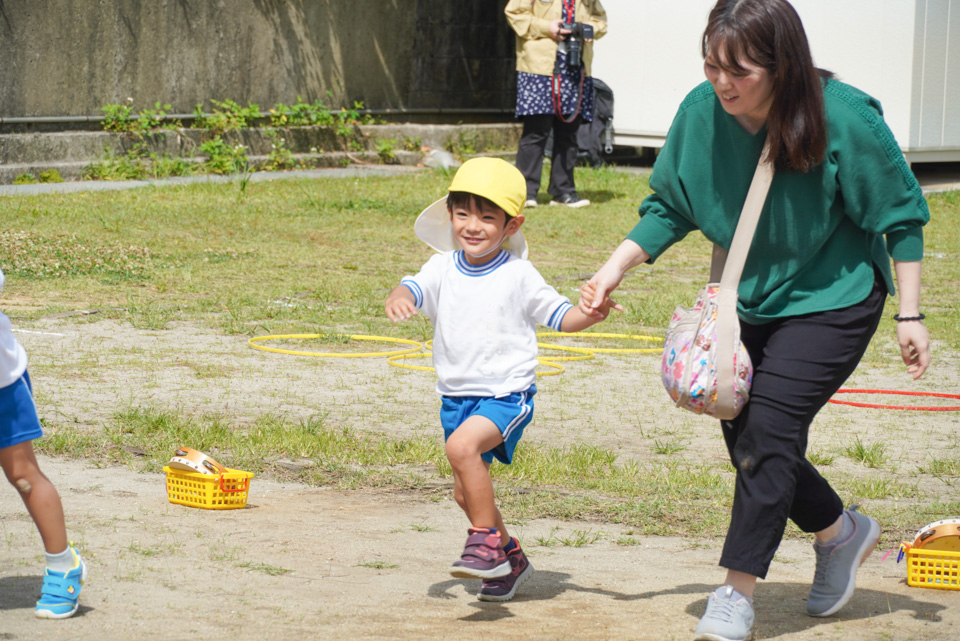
pixel 13 358
pixel 484 321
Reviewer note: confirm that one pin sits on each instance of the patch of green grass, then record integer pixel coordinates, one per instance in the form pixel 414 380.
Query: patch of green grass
pixel 35 256
pixel 580 538
pixel 871 455
pixel 942 467
pixel 667 447
pixel 821 458
pixel 879 488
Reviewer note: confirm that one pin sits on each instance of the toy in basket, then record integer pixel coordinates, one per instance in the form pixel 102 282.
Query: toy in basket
pixel 196 480
pixel 933 559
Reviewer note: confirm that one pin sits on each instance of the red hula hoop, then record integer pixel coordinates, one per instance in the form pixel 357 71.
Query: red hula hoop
pixel 916 408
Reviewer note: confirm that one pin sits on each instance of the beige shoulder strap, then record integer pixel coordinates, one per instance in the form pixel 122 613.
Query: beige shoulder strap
pixel 732 263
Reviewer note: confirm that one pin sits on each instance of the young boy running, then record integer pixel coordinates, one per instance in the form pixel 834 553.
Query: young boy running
pixel 19 425
pixel 484 299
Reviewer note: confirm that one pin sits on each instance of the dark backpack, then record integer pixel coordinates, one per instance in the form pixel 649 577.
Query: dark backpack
pixel 595 139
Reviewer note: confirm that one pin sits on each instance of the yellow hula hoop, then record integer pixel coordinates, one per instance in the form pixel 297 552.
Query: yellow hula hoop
pixel 395 361
pixel 585 354
pixel 417 346
pixel 558 368
pixel 610 350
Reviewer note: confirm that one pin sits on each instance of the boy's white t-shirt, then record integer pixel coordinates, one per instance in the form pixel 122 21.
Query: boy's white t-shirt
pixel 13 358
pixel 484 321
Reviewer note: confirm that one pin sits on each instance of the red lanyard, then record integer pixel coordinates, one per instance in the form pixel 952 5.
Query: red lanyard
pixel 570 7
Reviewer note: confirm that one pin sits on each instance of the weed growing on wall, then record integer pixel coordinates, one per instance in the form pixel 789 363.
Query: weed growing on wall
pixel 226 116
pixel 301 114
pixel 48 176
pixel 223 152
pixel 122 119
pixel 280 156
pixel 224 158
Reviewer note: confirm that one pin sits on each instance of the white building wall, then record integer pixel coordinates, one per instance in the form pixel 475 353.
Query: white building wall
pixel 906 53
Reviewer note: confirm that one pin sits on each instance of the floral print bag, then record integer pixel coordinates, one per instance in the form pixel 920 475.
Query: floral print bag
pixel 705 368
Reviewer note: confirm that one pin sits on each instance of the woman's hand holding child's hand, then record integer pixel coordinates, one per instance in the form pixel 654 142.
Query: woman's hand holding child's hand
pixel 600 310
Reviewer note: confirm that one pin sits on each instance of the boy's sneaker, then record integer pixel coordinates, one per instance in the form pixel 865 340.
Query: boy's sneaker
pixel 482 558
pixel 503 588
pixel 837 563
pixel 570 200
pixel 729 617
pixel 59 597
pixel 530 202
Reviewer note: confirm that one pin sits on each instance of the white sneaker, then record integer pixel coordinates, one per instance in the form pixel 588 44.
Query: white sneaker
pixel 729 617
pixel 531 202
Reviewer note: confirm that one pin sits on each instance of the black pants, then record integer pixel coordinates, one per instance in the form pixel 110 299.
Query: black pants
pixel 799 363
pixel 533 142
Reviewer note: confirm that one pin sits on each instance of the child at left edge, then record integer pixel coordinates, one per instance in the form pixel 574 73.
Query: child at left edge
pixel 484 300
pixel 19 426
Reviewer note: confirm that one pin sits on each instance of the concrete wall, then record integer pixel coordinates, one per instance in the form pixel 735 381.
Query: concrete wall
pixel 71 57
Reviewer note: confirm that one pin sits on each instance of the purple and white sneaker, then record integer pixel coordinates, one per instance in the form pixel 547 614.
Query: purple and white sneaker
pixel 482 558
pixel 505 587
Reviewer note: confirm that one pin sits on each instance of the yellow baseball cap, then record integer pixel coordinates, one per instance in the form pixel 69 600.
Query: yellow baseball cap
pixel 493 178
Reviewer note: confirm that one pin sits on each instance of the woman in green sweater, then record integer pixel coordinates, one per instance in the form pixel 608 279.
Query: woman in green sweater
pixel 843 202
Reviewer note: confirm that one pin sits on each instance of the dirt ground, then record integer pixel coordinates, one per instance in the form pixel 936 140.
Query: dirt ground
pixel 302 562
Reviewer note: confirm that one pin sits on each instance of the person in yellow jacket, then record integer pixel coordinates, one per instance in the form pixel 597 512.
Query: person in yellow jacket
pixel 554 87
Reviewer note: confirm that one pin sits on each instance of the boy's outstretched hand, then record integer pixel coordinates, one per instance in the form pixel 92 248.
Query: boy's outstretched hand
pixel 400 304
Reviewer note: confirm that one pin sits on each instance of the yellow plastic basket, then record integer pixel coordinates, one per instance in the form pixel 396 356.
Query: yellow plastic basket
pixel 933 569
pixel 227 491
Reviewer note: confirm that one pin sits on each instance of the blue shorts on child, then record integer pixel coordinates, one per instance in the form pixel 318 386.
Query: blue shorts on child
pixel 510 413
pixel 18 414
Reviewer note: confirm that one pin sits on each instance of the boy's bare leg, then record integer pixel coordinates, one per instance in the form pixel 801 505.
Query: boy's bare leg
pixel 461 501
pixel 473 487
pixel 38 493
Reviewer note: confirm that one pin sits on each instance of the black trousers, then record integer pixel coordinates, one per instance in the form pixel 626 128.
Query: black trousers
pixel 799 363
pixel 533 143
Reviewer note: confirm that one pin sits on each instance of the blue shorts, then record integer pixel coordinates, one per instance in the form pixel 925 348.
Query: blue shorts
pixel 509 413
pixel 18 414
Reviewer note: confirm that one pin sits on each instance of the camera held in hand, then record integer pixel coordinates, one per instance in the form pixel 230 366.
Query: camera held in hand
pixel 578 33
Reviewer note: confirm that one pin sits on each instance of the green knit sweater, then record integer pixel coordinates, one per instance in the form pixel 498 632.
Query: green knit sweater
pixel 820 233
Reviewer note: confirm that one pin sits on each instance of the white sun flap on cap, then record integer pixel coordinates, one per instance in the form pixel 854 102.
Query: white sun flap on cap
pixel 433 227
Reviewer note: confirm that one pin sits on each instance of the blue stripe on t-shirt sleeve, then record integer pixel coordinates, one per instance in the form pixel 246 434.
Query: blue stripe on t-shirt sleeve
pixel 556 319
pixel 415 290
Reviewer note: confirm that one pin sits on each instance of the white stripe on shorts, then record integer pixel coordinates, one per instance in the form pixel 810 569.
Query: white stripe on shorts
pixel 525 411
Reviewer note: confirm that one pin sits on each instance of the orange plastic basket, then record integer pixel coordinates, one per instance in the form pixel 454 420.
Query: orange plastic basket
pixel 227 491
pixel 933 569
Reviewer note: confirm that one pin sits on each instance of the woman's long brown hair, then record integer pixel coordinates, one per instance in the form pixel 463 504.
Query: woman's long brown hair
pixel 769 34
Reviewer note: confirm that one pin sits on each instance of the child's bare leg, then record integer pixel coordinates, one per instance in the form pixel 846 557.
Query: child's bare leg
pixel 473 487
pixel 458 494
pixel 38 493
